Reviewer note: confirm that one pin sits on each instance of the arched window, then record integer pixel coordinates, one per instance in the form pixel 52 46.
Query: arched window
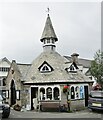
pixel 56 93
pixel 13 93
pixel 81 92
pixel 4 81
pixel 42 94
pixel 77 92
pixel 72 93
pixel 49 93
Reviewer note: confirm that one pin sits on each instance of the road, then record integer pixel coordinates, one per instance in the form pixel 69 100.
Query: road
pixel 33 114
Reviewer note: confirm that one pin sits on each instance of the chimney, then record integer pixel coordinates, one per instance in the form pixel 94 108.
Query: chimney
pixel 74 57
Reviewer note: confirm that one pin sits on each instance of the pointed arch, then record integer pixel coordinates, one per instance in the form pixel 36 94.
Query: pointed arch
pixel 13 93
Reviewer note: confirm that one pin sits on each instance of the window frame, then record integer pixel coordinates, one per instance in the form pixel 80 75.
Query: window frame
pixel 17 94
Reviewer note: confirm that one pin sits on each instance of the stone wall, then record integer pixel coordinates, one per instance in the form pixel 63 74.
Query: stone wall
pixel 77 105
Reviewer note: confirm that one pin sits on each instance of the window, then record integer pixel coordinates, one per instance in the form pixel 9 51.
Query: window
pixel 56 93
pixel 42 94
pixel 72 93
pixel 18 94
pixel 4 81
pixel 71 68
pixel 77 92
pixel 49 93
pixel 4 69
pixel 1 83
pixel 7 94
pixel 44 41
pixel 81 92
pixel 48 41
pixel 4 94
pixel 53 41
pixel 45 67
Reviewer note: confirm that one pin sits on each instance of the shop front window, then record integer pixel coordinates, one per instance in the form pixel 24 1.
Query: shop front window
pixel 42 94
pixel 81 92
pixel 72 93
pixel 56 93
pixel 49 93
pixel 77 92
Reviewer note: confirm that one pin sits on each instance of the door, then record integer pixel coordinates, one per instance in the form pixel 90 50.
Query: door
pixel 86 95
pixel 34 91
pixel 13 93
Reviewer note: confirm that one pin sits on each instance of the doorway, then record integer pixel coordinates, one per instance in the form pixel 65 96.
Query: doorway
pixel 34 93
pixel 86 95
pixel 13 93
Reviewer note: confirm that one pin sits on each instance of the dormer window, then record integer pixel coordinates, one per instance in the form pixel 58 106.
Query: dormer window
pixel 73 68
pixel 45 67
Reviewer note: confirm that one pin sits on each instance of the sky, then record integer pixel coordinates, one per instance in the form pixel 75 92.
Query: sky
pixel 76 24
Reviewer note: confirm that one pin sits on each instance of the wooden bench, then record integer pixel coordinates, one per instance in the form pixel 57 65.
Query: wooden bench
pixel 49 105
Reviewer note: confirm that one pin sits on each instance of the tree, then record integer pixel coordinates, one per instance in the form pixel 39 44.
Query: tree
pixel 96 68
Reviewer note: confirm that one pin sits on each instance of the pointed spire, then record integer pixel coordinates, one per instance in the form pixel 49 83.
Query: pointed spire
pixel 48 31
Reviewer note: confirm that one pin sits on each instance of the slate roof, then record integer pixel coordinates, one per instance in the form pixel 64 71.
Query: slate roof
pixel 23 68
pixel 48 31
pixel 59 64
pixel 85 62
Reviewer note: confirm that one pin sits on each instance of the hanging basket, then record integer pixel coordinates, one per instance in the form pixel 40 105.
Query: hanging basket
pixel 65 88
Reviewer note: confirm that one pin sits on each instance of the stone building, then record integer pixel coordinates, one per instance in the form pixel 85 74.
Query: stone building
pixel 50 81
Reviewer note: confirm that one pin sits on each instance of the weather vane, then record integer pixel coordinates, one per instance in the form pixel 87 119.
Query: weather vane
pixel 48 10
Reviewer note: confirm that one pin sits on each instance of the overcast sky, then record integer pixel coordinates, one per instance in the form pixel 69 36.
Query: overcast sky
pixel 76 24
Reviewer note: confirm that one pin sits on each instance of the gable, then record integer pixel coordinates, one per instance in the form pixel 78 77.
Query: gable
pixel 45 67
pixel 72 68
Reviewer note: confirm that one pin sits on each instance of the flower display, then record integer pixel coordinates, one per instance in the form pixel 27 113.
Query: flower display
pixel 65 88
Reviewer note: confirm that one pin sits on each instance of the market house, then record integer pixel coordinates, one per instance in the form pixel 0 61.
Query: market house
pixel 40 85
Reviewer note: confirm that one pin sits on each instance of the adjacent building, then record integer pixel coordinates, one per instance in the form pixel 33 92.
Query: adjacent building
pixel 4 68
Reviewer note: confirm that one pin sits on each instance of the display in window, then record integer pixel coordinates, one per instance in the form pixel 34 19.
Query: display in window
pixel 81 92
pixel 77 92
pixel 72 93
pixel 42 94
pixel 49 93
pixel 56 93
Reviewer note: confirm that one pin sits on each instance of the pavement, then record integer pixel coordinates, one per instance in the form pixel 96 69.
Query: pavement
pixel 78 114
